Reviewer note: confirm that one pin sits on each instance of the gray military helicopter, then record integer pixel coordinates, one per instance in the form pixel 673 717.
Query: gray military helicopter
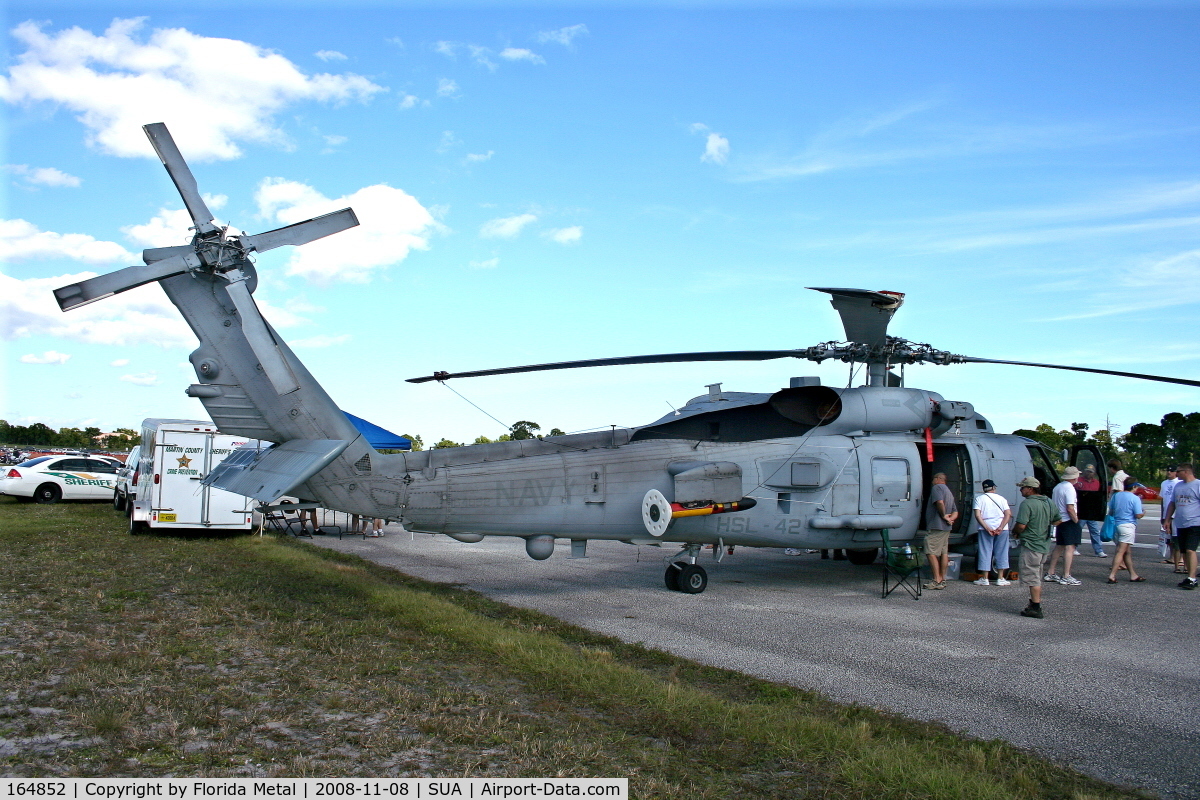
pixel 808 466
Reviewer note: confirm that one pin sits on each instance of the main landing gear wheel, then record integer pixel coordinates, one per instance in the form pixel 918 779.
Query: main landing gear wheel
pixel 47 493
pixel 671 577
pixel 863 557
pixel 691 579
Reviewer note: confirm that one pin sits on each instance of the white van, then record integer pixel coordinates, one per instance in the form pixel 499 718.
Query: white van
pixel 174 456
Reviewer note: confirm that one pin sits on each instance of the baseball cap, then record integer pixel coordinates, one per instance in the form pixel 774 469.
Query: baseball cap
pixel 989 484
pixel 1030 483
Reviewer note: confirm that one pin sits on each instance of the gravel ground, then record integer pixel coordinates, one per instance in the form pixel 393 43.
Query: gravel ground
pixel 1106 683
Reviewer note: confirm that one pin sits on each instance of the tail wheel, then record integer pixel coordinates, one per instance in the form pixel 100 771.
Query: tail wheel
pixel 47 493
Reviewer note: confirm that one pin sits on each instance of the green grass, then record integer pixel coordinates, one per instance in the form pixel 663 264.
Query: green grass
pixel 155 655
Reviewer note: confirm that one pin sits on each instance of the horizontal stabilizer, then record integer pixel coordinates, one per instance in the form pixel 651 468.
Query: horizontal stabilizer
pixel 268 474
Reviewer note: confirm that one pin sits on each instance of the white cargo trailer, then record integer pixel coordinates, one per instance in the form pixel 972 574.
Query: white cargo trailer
pixel 175 455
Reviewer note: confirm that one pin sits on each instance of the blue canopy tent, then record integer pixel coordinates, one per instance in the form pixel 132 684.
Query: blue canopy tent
pixel 377 437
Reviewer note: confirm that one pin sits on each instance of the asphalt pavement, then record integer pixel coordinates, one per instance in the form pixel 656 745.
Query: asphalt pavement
pixel 1108 682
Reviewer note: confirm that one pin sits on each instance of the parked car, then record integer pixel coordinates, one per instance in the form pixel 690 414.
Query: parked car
pixel 1146 493
pixel 126 485
pixel 48 479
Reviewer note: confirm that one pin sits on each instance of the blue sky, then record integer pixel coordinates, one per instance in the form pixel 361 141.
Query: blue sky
pixel 560 182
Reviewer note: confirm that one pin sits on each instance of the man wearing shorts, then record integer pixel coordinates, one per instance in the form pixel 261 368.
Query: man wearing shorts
pixel 1033 529
pixel 1183 516
pixel 1068 533
pixel 939 521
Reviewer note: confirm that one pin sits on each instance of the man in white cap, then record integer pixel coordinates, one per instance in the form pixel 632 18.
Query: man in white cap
pixel 1068 534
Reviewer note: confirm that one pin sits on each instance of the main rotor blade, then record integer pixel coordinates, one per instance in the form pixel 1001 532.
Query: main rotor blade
pixel 178 169
pixel 302 232
pixel 93 289
pixel 665 358
pixel 1143 376
pixel 255 329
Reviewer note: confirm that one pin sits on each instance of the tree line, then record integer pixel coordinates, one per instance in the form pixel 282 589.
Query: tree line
pixel 1144 451
pixel 523 429
pixel 42 435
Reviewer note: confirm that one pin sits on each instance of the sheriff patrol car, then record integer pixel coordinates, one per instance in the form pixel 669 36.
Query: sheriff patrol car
pixel 48 479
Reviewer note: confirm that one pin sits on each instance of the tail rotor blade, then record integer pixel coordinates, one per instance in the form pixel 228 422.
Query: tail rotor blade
pixel 152 254
pixel 302 232
pixel 261 342
pixel 93 289
pixel 178 169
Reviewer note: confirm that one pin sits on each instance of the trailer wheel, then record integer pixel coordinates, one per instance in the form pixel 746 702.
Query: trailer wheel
pixel 136 527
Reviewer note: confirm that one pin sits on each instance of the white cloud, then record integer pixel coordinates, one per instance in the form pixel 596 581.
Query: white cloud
pixel 475 158
pixel 448 141
pixel 333 140
pixel 447 88
pixel 563 36
pixel 716 149
pixel 120 362
pixel 409 101
pixel 139 316
pixel 43 176
pixel 21 240
pixel 141 379
pixel 490 263
pixel 48 357
pixel 169 226
pixel 330 55
pixel 392 223
pixel 521 54
pixel 482 56
pixel 1149 284
pixel 448 49
pixel 569 235
pixel 505 227
pixel 213 93
pixel 321 340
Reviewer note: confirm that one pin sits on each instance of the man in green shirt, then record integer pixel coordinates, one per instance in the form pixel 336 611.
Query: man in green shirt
pixel 1034 519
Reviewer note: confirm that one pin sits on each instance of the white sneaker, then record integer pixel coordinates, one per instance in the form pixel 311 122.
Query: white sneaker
pixel 1002 582
pixel 983 582
pixel 1067 580
pixel 1052 577
pixel 791 551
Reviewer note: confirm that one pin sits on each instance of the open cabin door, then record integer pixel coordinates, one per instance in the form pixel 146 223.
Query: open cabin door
pixel 1093 483
pixel 954 461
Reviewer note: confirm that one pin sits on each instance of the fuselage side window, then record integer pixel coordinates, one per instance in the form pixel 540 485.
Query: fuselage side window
pixel 890 477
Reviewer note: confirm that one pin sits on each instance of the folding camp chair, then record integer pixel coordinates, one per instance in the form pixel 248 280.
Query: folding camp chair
pixel 901 568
